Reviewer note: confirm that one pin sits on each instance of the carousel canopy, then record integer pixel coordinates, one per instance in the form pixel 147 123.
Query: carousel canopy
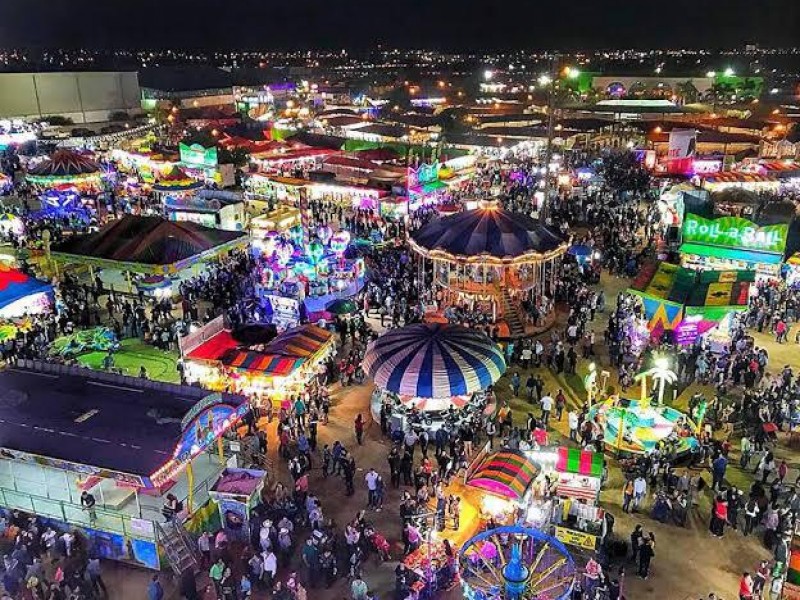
pixel 508 473
pixel 65 163
pixel 489 232
pixel 148 240
pixel 433 360
pixel 176 180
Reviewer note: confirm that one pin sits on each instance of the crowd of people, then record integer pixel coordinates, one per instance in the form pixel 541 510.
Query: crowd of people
pixel 294 546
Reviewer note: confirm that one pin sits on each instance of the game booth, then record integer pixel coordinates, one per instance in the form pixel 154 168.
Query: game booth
pixel 128 441
pixel 733 243
pixel 432 375
pixel 691 303
pixel 270 371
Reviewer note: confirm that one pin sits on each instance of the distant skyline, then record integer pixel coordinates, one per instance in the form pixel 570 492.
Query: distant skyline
pixel 456 25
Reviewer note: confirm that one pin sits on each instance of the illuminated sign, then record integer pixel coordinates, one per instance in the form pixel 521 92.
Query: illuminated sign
pixel 735 232
pixel 198 156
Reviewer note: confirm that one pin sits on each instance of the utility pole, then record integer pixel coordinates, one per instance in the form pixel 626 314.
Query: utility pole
pixel 551 123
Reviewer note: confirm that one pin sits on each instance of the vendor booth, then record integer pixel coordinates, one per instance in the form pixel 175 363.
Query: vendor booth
pixel 237 492
pixel 690 303
pixel 552 489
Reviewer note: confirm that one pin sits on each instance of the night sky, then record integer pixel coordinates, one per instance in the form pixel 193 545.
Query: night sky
pixel 435 24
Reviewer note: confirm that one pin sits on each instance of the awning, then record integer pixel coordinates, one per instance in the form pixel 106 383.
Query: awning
pixel 579 462
pixel 749 256
pixel 303 342
pixel 214 348
pixel 268 365
pixel 508 473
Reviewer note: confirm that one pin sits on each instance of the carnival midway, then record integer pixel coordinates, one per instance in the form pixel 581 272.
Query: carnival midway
pixel 509 371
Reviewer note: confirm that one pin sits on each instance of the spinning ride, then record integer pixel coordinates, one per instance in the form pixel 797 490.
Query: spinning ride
pixel 638 427
pixel 516 563
pixel 431 368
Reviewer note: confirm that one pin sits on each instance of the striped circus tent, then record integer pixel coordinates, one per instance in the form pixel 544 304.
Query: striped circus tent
pixel 434 360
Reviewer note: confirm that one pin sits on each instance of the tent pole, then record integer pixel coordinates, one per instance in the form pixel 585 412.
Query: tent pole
pixel 190 482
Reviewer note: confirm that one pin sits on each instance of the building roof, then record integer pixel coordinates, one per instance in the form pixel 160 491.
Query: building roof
pixel 147 240
pixel 130 427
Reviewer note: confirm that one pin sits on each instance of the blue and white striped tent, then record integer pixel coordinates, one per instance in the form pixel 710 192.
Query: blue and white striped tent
pixel 432 360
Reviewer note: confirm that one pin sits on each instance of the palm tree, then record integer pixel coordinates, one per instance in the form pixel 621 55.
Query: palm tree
pixel 660 373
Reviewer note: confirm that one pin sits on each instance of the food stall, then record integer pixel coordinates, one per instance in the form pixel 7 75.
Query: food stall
pixel 578 519
pixel 544 487
pixel 506 476
pixel 237 492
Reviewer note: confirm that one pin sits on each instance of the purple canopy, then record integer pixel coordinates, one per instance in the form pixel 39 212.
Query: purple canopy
pixel 487 231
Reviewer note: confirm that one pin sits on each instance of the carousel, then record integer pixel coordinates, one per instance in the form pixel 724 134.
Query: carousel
pixel 66 170
pixel 489 258
pixel 516 563
pixel 430 375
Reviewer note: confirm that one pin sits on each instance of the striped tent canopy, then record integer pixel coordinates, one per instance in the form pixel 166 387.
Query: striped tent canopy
pixel 434 360
pixel 269 365
pixel 508 473
pixel 65 163
pixel 579 462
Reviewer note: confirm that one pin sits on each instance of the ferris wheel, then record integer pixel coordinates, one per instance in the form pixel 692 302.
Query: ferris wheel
pixel 516 563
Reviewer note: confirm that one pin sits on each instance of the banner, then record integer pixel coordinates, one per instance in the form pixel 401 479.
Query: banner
pixel 735 232
pixel 682 143
pixel 578 539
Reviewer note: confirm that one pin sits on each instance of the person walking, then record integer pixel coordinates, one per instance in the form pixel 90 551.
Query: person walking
pixel 636 541
pixel 371 479
pixel 646 554
pixel 359 427
pixel 154 589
